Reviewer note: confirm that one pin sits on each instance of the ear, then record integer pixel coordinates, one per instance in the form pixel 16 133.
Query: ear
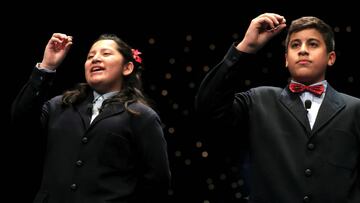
pixel 286 61
pixel 331 58
pixel 128 68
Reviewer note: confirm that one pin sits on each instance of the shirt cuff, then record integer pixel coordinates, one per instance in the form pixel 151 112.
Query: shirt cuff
pixel 44 69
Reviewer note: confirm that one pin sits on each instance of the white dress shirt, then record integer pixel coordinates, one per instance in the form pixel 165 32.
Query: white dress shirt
pixel 97 103
pixel 315 102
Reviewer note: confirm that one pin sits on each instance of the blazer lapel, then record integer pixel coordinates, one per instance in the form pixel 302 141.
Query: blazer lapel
pixel 85 109
pixel 293 103
pixel 109 110
pixel 330 106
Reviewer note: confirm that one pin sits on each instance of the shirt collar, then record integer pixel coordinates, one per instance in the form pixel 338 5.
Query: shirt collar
pixel 104 96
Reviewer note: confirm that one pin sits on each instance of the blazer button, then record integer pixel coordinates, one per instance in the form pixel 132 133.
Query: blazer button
pixel 311 146
pixel 308 172
pixel 79 163
pixel 73 186
pixel 306 199
pixel 84 140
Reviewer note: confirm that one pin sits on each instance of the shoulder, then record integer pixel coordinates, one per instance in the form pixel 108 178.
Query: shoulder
pixel 53 105
pixel 260 95
pixel 349 99
pixel 352 104
pixel 143 109
pixel 144 115
pixel 55 101
pixel 265 91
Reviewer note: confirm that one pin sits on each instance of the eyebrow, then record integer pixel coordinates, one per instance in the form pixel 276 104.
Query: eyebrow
pixel 102 49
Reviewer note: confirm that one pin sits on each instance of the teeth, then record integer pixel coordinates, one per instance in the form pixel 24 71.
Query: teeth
pixel 97 68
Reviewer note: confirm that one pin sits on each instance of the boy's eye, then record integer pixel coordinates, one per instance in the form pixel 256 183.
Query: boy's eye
pixel 313 44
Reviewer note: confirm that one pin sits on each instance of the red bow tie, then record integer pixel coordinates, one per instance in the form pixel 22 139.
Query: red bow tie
pixel 298 88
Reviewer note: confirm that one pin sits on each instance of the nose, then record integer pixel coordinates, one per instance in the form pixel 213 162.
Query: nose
pixel 303 49
pixel 96 58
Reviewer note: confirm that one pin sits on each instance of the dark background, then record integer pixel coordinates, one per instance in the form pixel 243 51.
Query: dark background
pixel 180 43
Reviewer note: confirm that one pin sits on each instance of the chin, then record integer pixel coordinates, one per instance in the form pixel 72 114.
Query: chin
pixel 303 79
pixel 95 83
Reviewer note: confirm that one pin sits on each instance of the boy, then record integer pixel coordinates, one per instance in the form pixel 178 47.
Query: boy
pixel 303 139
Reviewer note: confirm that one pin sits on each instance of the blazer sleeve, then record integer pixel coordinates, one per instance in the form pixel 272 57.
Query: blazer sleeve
pixel 151 147
pixel 27 107
pixel 215 98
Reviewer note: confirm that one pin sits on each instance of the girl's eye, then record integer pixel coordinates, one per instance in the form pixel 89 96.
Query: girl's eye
pixel 295 45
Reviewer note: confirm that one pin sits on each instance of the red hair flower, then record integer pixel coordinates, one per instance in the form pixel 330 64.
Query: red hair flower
pixel 136 56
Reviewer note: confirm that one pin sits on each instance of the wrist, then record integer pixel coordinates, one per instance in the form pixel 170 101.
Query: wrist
pixel 247 47
pixel 44 68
